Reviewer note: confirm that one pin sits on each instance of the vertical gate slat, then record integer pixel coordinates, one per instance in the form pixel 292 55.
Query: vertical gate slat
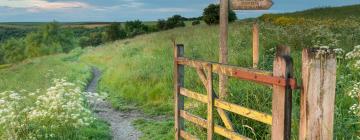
pixel 178 83
pixel 210 106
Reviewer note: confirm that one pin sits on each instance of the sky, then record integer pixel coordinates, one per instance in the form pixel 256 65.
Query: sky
pixel 125 10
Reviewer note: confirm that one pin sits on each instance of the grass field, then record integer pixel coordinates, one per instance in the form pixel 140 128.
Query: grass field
pixel 38 74
pixel 138 71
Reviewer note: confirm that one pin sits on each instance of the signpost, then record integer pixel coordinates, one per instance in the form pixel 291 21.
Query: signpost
pixel 224 8
pixel 251 4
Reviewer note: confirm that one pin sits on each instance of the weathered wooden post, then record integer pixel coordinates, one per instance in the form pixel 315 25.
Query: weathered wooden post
pixel 224 21
pixel 318 94
pixel 281 99
pixel 255 45
pixel 178 83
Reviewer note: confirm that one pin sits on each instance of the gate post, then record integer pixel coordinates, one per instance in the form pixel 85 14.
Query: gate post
pixel 178 83
pixel 281 99
pixel 318 94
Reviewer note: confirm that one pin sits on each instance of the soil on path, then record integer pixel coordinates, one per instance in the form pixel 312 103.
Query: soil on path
pixel 120 122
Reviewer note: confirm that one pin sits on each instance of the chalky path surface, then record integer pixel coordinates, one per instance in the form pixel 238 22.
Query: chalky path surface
pixel 120 122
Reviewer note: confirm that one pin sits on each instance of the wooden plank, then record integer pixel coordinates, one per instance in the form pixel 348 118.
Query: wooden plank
pixel 255 45
pixel 278 98
pixel 194 95
pixel 262 117
pixel 254 75
pixel 249 113
pixel 223 44
pixel 193 118
pixel 223 115
pixel 187 136
pixel 251 4
pixel 202 76
pixel 210 103
pixel 218 129
pixel 218 68
pixel 318 95
pixel 225 119
pixel 178 83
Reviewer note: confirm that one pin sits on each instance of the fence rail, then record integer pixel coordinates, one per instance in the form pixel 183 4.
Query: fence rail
pixel 281 80
pixel 316 101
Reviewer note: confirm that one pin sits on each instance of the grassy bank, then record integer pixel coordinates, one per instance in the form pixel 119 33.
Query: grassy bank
pixel 38 74
pixel 139 70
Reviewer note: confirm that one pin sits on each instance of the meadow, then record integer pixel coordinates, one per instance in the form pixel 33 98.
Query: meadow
pixel 143 67
pixel 139 71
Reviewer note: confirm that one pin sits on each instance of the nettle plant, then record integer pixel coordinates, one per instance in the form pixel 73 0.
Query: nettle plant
pixel 354 66
pixel 58 112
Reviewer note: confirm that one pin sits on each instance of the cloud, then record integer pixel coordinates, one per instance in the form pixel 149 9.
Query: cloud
pixel 39 5
pixel 165 10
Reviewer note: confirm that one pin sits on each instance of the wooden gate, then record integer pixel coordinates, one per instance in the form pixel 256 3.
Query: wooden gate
pixel 280 79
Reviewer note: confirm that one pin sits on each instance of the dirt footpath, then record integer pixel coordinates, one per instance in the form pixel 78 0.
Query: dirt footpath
pixel 120 122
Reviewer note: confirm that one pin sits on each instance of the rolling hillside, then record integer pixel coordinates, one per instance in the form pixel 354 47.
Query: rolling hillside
pixel 326 12
pixel 139 71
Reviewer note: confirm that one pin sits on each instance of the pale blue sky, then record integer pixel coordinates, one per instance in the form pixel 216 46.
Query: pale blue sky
pixel 123 10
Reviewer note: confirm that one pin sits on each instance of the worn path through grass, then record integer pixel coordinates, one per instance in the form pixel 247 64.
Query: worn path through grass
pixel 120 122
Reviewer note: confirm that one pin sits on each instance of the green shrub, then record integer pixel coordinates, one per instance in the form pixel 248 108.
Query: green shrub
pixel 133 28
pixel 211 14
pixel 196 22
pixel 171 22
pixel 113 32
pixel 13 50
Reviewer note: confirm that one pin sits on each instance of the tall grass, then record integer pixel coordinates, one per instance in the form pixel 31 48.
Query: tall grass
pixel 37 75
pixel 139 70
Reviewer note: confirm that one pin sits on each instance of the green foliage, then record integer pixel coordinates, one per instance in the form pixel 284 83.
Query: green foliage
pixel 155 130
pixel 113 32
pixel 50 39
pixel 337 13
pixel 133 28
pixel 12 51
pixel 171 22
pixel 92 39
pixel 37 73
pixel 196 22
pixel 211 14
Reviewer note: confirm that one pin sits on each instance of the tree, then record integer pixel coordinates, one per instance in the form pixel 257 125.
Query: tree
pixel 50 39
pixel 196 22
pixel 175 21
pixel 161 24
pixel 13 50
pixel 211 14
pixel 114 32
pixel 171 22
pixel 133 28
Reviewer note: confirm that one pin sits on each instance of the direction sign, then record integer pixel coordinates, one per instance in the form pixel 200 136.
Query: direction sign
pixel 251 4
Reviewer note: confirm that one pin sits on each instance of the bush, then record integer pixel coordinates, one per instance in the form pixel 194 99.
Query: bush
pixel 12 51
pixel 55 113
pixel 170 23
pixel 113 32
pixel 93 39
pixel 211 14
pixel 133 28
pixel 196 22
pixel 50 39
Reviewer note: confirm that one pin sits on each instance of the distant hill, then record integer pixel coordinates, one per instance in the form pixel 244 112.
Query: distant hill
pixel 326 12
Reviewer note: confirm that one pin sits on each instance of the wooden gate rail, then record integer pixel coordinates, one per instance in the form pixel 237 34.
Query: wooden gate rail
pixel 255 115
pixel 281 79
pixel 259 76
